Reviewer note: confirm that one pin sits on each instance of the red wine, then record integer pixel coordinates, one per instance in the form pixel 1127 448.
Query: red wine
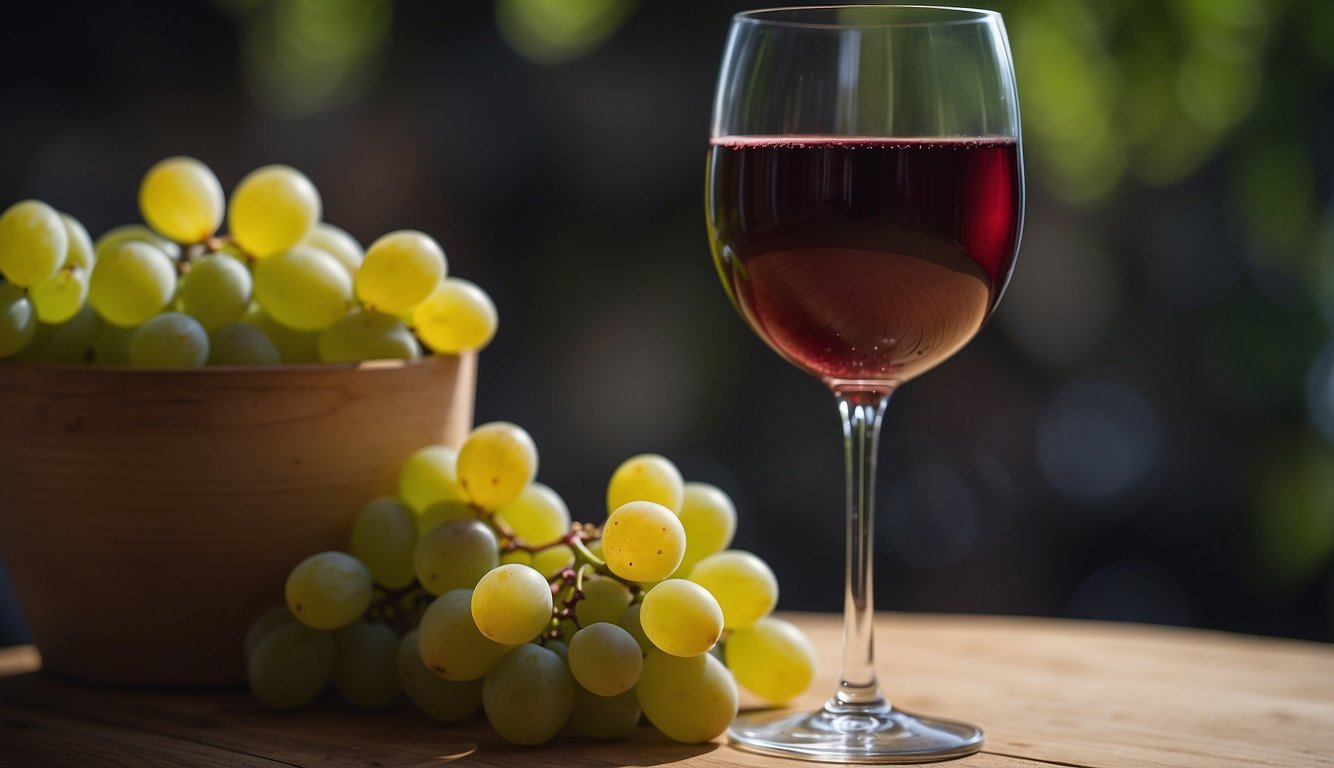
pixel 864 260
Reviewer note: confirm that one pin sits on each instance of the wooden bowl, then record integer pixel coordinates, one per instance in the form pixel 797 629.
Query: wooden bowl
pixel 146 517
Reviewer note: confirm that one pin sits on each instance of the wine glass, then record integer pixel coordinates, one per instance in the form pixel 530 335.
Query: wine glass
pixel 864 199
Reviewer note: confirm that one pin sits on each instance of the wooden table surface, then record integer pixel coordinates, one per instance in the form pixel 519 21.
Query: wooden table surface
pixel 1047 692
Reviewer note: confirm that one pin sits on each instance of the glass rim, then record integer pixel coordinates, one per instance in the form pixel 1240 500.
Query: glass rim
pixel 951 15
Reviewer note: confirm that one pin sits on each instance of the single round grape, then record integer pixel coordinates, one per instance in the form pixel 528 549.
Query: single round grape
pixel 516 556
pixel 18 320
pixel 365 668
pixel 457 317
pixel 681 617
pixel 450 643
pixel 265 623
pixel 70 342
pixel 605 599
pixel 338 244
pixel 559 648
pixel 273 209
pixel 365 334
pixel 512 604
pixel 384 537
pixel 303 288
pixel 689 699
pixel 553 560
pixel 643 541
pixel 445 700
pixel 329 590
pixel 429 476
pixel 134 233
pixel 709 519
pixel 629 621
pixel 772 658
pixel 216 291
pixel 647 477
pixel 400 269
pixel 605 659
pixel 181 198
pixel 241 344
pixel 170 340
pixel 112 346
pixel 33 243
pixel 604 717
pixel 455 555
pixel 495 464
pixel 447 511
pixel 131 283
pixel 61 296
pixel 528 695
pixel 80 252
pixel 294 347
pixel 743 584
pixel 537 516
pixel 291 665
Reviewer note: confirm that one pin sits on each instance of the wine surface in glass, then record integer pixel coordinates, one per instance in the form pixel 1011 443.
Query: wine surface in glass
pixel 864 259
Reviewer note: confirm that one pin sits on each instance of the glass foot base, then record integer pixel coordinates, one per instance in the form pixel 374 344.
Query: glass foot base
pixel 842 733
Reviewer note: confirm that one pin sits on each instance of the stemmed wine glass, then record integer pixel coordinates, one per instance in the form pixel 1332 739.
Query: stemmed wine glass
pixel 865 199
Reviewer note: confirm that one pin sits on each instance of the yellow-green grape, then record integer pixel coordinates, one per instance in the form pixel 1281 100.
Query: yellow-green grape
pixel 605 599
pixel 457 317
pixel 365 334
pixel 130 283
pixel 429 476
pixel 338 244
pixel 681 618
pixel 495 464
pixel 450 643
pixel 303 288
pixel 329 590
pixel 604 717
pixel 455 555
pixel 112 345
pixel 294 347
pixel 516 556
pixel 440 699
pixel 170 340
pixel 643 541
pixel 605 659
pixel 447 511
pixel 512 604
pixel 134 233
pixel 181 198
pixel 291 665
pixel 629 621
pixel 537 516
pixel 61 296
pixel 772 658
pixel 689 699
pixel 241 344
pixel 273 209
pixel 384 537
pixel 70 342
pixel 709 518
pixel 399 270
pixel 552 560
pixel 265 623
pixel 33 243
pixel 80 251
pixel 216 291
pixel 647 477
pixel 365 668
pixel 18 320
pixel 744 585
pixel 528 695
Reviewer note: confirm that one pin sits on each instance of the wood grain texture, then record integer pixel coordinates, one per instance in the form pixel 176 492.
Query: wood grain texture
pixel 147 516
pixel 1048 692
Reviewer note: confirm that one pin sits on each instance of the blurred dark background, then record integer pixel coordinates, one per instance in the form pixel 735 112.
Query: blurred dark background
pixel 1145 431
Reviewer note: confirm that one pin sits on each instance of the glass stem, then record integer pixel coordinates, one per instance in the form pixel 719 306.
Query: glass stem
pixel 857 687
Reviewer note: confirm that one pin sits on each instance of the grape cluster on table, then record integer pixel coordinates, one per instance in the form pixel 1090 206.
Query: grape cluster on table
pixel 281 287
pixel 472 589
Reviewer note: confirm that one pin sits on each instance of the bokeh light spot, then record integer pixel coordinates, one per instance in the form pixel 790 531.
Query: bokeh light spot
pixel 1097 440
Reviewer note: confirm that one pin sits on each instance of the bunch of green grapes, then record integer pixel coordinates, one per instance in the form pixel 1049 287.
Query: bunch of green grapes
pixel 472 589
pixel 281 286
